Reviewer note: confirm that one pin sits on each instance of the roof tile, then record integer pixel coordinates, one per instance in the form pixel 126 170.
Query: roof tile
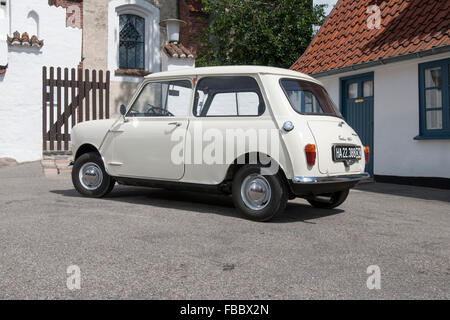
pixel 177 50
pixel 408 26
pixel 24 40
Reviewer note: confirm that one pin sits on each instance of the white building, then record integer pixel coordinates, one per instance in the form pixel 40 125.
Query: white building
pixel 387 68
pixel 32 34
pixel 84 34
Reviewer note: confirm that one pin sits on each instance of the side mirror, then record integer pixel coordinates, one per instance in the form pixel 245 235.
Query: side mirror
pixel 123 110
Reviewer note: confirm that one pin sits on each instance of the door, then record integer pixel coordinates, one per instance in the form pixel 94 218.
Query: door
pixel 358 109
pixel 149 142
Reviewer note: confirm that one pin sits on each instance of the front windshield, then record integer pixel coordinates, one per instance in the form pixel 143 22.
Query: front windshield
pixel 308 98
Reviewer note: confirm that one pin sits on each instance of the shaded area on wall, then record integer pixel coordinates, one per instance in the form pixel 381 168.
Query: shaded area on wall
pixel 121 93
pixel 439 183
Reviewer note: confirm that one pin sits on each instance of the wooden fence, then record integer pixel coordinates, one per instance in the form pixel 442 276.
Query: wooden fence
pixel 70 100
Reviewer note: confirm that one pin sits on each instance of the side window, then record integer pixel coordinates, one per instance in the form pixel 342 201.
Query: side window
pixel 179 98
pixel 228 96
pixel 163 99
pixel 224 104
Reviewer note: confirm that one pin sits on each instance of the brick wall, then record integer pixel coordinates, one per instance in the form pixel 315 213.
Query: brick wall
pixel 191 12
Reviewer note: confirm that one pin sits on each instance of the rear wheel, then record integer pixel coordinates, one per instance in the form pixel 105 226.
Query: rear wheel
pixel 330 201
pixel 258 197
pixel 89 176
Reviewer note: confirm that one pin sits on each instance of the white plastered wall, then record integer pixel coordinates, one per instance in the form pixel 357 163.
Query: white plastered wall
pixel 21 85
pixel 171 64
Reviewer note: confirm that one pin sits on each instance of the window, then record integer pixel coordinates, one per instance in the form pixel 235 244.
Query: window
pixel 163 99
pixel 133 57
pixel 308 98
pixel 352 90
pixel 227 97
pixel 131 44
pixel 368 88
pixel 434 99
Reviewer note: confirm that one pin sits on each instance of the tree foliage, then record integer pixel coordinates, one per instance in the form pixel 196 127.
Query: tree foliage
pixel 258 32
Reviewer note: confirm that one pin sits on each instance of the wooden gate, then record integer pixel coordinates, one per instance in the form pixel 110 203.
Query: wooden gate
pixel 67 101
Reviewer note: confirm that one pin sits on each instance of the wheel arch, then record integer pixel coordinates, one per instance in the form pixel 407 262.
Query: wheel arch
pixel 244 159
pixel 85 148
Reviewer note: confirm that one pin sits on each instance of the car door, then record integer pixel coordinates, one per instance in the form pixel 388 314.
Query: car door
pixel 149 142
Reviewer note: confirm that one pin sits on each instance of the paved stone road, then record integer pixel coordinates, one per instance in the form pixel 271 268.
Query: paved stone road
pixel 156 244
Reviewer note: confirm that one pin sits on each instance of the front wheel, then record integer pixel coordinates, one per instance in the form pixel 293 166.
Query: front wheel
pixel 258 197
pixel 89 176
pixel 330 201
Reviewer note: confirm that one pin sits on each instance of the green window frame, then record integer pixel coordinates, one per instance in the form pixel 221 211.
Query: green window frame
pixel 434 100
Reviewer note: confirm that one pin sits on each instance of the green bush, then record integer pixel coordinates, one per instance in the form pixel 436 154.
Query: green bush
pixel 258 32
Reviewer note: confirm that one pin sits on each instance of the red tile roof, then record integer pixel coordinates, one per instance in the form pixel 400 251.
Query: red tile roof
pixel 407 26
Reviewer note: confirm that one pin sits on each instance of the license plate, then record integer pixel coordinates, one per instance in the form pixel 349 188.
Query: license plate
pixel 345 153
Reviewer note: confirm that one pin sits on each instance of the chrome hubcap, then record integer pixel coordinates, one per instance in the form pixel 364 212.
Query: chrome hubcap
pixel 256 192
pixel 91 176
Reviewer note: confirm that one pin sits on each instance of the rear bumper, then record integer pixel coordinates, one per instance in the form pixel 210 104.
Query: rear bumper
pixel 330 179
pixel 304 186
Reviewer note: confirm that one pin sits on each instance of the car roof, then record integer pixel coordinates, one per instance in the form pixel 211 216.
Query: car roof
pixel 230 70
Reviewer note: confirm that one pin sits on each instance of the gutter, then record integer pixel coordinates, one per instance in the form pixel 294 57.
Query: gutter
pixel 409 56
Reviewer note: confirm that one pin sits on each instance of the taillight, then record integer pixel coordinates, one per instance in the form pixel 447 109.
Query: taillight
pixel 367 154
pixel 310 150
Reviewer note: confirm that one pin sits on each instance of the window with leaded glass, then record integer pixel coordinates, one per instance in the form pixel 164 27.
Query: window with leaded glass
pixel 131 44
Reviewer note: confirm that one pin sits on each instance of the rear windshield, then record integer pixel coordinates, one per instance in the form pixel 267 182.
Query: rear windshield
pixel 308 98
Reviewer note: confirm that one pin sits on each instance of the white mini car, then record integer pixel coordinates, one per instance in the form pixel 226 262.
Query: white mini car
pixel 263 135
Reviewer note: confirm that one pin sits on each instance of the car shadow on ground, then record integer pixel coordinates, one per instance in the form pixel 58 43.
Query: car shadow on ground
pixel 202 203
pixel 406 191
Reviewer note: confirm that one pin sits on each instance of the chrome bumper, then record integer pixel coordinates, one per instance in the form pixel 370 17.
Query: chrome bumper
pixel 330 179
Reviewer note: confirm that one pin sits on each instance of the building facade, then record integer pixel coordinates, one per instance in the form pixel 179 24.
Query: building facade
pixel 106 26
pixel 128 38
pixel 387 67
pixel 32 34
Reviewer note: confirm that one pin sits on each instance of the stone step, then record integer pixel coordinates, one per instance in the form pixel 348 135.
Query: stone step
pixel 54 166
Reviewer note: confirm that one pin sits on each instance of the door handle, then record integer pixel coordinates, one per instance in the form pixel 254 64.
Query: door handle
pixel 176 124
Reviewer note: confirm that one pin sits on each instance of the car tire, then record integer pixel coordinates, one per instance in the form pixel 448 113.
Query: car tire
pixel 336 199
pixel 89 176
pixel 258 197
